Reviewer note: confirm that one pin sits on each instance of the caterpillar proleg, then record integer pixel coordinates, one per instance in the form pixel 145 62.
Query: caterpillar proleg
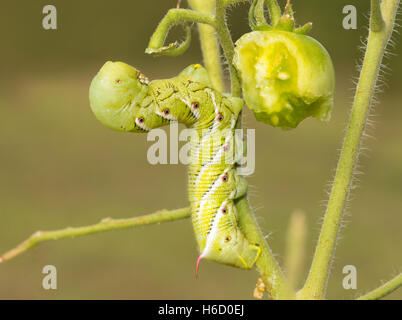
pixel 123 99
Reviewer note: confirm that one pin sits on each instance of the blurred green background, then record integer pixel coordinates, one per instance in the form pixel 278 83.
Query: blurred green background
pixel 60 167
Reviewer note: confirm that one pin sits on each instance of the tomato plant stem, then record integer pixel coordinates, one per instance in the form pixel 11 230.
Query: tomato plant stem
pixel 209 44
pixel 384 290
pixel 378 38
pixel 104 225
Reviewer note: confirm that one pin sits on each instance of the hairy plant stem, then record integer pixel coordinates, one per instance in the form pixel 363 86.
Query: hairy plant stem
pixel 227 45
pixel 384 290
pixel 295 247
pixel 315 285
pixel 106 224
pixel 209 44
pixel 173 17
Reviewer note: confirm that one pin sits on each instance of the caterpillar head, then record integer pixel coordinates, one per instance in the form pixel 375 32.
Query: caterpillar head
pixel 115 95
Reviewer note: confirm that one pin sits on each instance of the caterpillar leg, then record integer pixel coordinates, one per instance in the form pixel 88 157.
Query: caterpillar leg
pixel 241 187
pixel 249 255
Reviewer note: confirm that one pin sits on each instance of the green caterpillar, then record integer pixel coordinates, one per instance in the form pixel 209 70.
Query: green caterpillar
pixel 123 99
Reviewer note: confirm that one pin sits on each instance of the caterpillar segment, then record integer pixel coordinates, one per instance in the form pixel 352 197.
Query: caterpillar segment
pixel 215 134
pixel 228 185
pixel 226 243
pixel 211 185
pixel 123 99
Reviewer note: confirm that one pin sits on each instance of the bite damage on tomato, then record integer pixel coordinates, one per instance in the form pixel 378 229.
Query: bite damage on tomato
pixel 286 77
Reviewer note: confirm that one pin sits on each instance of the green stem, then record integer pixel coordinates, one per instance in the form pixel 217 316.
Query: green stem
pixel 274 10
pixel 295 247
pixel 384 290
pixel 209 44
pixel 173 17
pixel 315 285
pixel 105 225
pixel 275 282
pixel 227 45
pixel 259 13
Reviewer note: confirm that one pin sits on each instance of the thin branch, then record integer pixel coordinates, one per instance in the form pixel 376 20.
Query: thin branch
pixel 174 17
pixel 377 41
pixel 295 247
pixel 105 225
pixel 227 45
pixel 209 44
pixel 384 290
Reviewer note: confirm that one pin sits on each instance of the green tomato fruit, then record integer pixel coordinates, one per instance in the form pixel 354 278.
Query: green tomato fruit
pixel 286 77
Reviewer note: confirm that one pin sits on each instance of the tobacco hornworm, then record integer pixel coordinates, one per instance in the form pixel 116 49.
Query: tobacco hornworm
pixel 123 99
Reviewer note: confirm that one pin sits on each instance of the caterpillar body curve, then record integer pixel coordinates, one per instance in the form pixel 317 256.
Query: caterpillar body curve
pixel 123 99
